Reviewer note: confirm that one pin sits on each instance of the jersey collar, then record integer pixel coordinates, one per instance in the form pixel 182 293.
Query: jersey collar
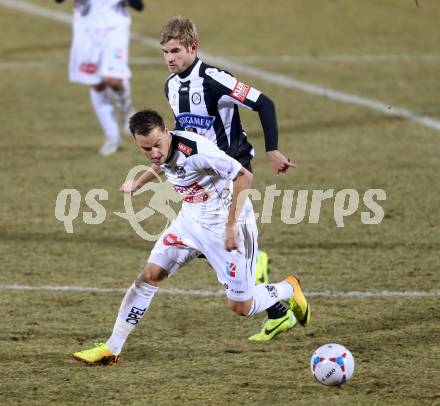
pixel 173 148
pixel 188 70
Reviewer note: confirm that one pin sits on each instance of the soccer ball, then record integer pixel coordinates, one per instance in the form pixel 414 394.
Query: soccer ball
pixel 332 364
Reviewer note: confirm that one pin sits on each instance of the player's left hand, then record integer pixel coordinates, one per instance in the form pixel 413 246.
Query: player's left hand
pixel 280 163
pixel 231 237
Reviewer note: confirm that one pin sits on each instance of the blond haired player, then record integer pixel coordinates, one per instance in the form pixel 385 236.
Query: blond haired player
pixel 206 100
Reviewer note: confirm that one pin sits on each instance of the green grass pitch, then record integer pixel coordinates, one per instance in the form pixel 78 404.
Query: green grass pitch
pixel 192 349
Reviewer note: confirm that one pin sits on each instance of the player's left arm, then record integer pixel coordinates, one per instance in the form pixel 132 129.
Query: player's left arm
pixel 242 184
pixel 138 5
pixel 266 111
pixel 229 88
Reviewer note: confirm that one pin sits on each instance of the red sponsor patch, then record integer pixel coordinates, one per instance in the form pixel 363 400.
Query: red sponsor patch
pixel 184 148
pixel 172 240
pixel 193 193
pixel 89 68
pixel 240 91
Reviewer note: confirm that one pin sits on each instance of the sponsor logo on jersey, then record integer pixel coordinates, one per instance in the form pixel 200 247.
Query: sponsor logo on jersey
pixel 184 148
pixel 171 240
pixel 180 171
pixel 240 91
pixel 193 193
pixel 89 68
pixel 188 120
pixel 196 98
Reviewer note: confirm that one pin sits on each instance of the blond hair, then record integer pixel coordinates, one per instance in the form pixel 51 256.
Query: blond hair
pixel 179 28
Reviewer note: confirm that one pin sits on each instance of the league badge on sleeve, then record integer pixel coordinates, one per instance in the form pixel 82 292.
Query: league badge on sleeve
pixel 240 91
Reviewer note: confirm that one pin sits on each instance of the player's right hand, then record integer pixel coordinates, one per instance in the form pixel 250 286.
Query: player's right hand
pixel 231 237
pixel 129 186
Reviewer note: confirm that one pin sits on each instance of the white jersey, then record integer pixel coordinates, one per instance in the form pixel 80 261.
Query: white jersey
pixel 202 175
pixel 101 13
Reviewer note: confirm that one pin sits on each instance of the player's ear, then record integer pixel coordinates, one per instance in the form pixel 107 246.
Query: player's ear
pixel 194 47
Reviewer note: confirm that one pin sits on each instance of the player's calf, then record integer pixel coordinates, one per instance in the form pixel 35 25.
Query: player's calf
pixel 240 308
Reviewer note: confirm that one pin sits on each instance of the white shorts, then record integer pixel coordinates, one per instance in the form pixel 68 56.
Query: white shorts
pixel 184 240
pixel 99 52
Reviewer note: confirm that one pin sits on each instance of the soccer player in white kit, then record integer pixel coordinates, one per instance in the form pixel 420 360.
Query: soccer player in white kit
pixel 99 58
pixel 216 220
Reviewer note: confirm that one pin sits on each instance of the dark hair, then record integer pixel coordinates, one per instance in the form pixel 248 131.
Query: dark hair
pixel 143 122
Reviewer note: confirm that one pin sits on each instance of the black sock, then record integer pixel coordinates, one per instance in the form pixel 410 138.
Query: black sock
pixel 276 311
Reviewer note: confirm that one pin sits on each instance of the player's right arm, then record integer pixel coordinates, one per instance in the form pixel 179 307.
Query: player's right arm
pixel 149 175
pixel 242 183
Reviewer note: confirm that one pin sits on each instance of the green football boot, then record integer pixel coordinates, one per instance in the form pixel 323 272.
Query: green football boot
pixel 262 268
pixel 273 327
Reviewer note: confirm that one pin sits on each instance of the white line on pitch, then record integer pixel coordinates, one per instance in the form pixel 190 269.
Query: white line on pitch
pixel 282 80
pixel 14 65
pixel 306 58
pixel 193 292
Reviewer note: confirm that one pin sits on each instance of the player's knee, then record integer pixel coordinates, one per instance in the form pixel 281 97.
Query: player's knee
pixel 100 87
pixel 152 274
pixel 114 83
pixel 240 308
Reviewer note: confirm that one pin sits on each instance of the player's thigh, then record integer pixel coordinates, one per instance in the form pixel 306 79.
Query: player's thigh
pixel 85 58
pixel 173 249
pixel 115 53
pixel 235 269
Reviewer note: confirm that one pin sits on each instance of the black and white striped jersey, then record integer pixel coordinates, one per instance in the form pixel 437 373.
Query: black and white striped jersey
pixel 201 174
pixel 205 100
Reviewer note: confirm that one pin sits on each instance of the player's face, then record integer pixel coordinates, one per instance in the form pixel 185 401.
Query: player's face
pixel 156 145
pixel 177 57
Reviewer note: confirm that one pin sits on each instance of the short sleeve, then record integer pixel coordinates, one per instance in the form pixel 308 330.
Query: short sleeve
pixel 209 156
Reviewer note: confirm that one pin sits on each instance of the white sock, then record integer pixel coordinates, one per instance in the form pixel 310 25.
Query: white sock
pixel 124 104
pixel 133 307
pixel 105 112
pixel 267 295
pixel 123 96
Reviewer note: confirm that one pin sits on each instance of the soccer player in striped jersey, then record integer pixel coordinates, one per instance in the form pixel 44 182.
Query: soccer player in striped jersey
pixel 99 58
pixel 214 220
pixel 205 100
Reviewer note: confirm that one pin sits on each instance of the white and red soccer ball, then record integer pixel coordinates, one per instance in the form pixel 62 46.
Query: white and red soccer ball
pixel 332 364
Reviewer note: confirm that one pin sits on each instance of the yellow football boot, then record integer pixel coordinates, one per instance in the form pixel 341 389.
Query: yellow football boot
pixel 98 355
pixel 298 303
